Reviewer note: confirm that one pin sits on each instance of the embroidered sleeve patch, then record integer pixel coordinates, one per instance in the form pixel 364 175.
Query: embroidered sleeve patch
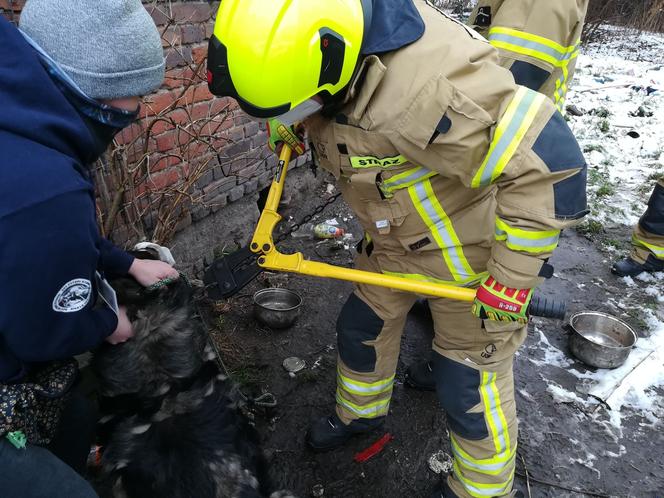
pixel 376 162
pixel 73 296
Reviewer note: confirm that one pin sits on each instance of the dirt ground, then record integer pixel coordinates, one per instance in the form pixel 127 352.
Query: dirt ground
pixel 561 442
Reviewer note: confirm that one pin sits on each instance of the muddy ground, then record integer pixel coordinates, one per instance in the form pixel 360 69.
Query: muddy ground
pixel 564 443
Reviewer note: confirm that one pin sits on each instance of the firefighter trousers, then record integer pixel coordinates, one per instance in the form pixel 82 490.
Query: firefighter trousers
pixel 648 236
pixel 473 369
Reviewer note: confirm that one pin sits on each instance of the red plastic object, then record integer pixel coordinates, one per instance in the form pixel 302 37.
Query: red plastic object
pixel 374 449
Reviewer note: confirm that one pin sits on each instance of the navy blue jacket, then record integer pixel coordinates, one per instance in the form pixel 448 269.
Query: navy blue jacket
pixel 50 246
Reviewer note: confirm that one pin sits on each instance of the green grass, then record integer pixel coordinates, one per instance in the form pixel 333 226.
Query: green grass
pixel 601 112
pixel 225 250
pixel 637 317
pixel 656 176
pixel 593 147
pixel 604 126
pixel 599 177
pixel 247 376
pixel 606 190
pixel 590 227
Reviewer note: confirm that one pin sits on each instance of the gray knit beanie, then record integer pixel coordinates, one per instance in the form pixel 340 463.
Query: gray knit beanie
pixel 110 48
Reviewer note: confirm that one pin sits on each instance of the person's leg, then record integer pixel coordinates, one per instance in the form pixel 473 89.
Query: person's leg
pixel 647 240
pixel 34 472
pixel 76 432
pixel 473 369
pixel 369 336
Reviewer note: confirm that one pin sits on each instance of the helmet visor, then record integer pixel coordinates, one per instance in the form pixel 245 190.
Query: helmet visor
pixel 300 112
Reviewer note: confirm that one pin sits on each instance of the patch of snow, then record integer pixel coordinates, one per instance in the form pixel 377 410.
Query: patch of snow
pixel 633 384
pixel 621 451
pixel 587 462
pixel 552 355
pixel 613 84
pixel 656 292
pixel 562 395
pixel 526 395
pixel 627 390
pixel 650 277
pixel 628 281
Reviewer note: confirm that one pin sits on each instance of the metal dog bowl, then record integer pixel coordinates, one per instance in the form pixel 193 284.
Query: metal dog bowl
pixel 277 308
pixel 600 340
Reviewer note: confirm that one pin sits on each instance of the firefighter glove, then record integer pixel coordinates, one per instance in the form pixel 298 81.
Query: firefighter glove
pixel 496 302
pixel 279 133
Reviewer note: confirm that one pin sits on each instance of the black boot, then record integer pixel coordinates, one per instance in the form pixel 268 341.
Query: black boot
pixel 629 268
pixel 444 491
pixel 328 433
pixel 420 376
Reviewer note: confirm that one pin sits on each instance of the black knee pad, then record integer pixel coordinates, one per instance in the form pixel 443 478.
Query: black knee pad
pixel 356 324
pixel 458 391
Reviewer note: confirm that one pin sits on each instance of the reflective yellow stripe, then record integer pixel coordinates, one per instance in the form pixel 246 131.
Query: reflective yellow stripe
pixel 439 224
pixel 491 466
pixel 510 131
pixel 532 45
pixel 502 461
pixel 470 282
pixel 658 251
pixel 540 48
pixel 494 413
pixel 405 180
pixel 370 410
pixel 362 162
pixel 527 240
pixel 364 388
pixel 561 89
pixel 480 490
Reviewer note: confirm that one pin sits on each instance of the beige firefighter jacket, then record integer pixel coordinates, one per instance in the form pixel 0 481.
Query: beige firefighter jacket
pixel 452 169
pixel 538 40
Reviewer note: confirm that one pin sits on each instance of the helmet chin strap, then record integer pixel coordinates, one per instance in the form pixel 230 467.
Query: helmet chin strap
pixel 301 112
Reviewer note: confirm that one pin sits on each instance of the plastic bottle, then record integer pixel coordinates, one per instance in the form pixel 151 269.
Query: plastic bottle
pixel 306 231
pixel 326 231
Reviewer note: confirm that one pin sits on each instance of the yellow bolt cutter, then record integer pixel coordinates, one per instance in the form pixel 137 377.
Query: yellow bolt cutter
pixel 228 275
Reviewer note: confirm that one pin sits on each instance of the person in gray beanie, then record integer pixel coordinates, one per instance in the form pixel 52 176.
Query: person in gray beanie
pixel 70 79
pixel 110 48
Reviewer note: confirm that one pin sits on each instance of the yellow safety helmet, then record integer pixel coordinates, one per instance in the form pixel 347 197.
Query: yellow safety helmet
pixel 273 55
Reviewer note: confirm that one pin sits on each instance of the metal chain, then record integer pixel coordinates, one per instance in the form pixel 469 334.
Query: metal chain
pixel 307 218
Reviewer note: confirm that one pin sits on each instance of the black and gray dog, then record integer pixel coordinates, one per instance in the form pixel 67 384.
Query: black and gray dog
pixel 171 425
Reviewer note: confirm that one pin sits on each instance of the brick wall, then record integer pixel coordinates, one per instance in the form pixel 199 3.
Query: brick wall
pixel 186 139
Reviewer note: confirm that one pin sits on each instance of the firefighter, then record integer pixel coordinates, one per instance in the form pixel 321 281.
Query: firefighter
pixel 647 240
pixel 454 181
pixel 538 41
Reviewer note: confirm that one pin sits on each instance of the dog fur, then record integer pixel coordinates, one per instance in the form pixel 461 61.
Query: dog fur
pixel 171 424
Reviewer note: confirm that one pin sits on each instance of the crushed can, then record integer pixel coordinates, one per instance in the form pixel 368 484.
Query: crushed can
pixel 326 231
